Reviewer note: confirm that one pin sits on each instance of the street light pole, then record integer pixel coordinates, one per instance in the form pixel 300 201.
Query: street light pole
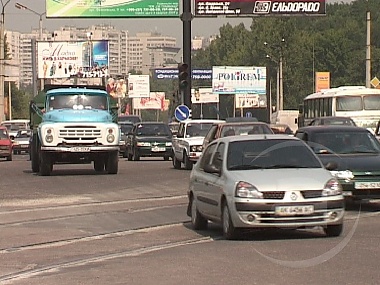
pixel 23 7
pixel 2 60
pixel 280 79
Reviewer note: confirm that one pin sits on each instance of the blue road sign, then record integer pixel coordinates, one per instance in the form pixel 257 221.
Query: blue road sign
pixel 182 112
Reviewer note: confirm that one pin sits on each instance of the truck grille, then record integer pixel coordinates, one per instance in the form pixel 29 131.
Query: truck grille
pixel 80 132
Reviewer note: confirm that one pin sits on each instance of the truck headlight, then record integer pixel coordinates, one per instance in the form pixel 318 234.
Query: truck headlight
pixel 49 136
pixel 168 144
pixel 110 138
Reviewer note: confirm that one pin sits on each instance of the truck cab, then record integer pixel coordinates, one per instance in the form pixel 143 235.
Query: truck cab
pixel 76 124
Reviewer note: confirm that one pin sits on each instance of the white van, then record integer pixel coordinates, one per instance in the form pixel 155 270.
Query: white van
pixel 14 126
pixel 287 117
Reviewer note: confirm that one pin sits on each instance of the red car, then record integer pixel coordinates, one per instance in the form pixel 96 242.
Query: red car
pixel 5 144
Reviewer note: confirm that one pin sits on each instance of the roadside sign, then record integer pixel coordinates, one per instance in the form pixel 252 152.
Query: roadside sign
pixel 375 82
pixel 248 115
pixel 182 112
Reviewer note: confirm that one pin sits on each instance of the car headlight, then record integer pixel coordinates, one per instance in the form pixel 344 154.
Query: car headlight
pixel 344 174
pixel 332 188
pixel 168 143
pixel 247 190
pixel 196 148
pixel 143 144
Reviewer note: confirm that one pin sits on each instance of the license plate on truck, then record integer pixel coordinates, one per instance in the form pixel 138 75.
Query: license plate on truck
pixel 80 149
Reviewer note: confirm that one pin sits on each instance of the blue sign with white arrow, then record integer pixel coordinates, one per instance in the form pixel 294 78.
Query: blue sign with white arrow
pixel 182 112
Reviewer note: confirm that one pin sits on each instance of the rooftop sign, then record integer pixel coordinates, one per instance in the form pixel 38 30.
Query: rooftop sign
pixel 250 8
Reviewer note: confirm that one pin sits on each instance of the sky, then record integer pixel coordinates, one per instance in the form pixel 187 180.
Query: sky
pixel 24 21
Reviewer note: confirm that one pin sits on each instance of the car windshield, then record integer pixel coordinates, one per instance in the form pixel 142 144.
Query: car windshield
pixel 3 134
pixel 126 128
pixel 153 130
pixel 270 154
pixel 197 129
pixel 246 129
pixel 344 143
pixel 77 102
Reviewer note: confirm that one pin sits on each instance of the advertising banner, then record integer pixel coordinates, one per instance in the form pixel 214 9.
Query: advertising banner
pixel 172 73
pixel 250 101
pixel 138 86
pixel 239 79
pixel 204 95
pixel 236 8
pixel 112 8
pixel 156 100
pixel 72 59
pixel 322 81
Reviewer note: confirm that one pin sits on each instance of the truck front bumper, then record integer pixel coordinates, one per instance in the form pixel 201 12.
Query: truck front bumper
pixel 80 149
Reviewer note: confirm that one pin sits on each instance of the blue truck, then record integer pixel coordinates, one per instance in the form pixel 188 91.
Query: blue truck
pixel 76 125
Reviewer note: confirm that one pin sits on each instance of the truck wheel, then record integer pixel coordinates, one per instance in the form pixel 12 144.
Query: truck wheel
pixel 112 165
pixel 46 165
pixel 99 164
pixel 34 155
pixel 9 158
pixel 187 162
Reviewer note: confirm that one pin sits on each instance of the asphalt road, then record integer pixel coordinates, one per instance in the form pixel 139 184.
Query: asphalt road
pixel 80 227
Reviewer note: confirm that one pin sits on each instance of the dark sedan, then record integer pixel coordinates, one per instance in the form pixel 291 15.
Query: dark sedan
pixel 356 152
pixel 149 139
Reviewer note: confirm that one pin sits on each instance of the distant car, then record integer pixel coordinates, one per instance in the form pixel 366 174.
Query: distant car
pixel 332 121
pixel 125 128
pixel 21 142
pixel 5 144
pixel 149 139
pixel 281 129
pixel 355 150
pixel 188 143
pixel 263 181
pixel 223 129
pixel 129 118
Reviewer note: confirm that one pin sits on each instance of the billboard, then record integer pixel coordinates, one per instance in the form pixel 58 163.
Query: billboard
pixel 203 95
pixel 138 86
pixel 172 73
pixel 239 80
pixel 112 8
pixel 156 100
pixel 57 59
pixel 236 8
pixel 322 81
pixel 250 101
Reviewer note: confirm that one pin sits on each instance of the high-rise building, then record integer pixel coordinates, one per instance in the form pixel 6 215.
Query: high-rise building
pixel 140 52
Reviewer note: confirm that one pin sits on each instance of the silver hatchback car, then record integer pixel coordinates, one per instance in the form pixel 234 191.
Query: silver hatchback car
pixel 264 181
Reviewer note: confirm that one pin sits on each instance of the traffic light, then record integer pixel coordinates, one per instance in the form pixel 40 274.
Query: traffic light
pixel 183 75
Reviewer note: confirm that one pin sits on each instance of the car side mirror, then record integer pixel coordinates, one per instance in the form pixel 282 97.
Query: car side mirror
pixel 331 165
pixel 211 168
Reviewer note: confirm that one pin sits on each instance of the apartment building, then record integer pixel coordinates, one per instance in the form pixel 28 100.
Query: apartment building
pixel 141 52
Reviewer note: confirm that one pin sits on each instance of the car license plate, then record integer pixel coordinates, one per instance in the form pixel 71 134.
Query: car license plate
pixel 294 210
pixel 80 149
pixel 156 148
pixel 367 185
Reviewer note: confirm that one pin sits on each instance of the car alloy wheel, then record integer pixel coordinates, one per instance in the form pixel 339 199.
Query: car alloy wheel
pixel 197 220
pixel 229 231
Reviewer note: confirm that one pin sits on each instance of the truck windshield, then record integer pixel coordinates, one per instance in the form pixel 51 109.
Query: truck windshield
pixel 77 102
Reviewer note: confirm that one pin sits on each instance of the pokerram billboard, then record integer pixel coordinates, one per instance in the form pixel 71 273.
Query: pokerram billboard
pixel 85 59
pixel 112 8
pixel 250 8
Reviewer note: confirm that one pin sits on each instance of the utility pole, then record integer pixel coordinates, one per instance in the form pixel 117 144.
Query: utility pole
pixel 186 19
pixel 2 61
pixel 368 52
